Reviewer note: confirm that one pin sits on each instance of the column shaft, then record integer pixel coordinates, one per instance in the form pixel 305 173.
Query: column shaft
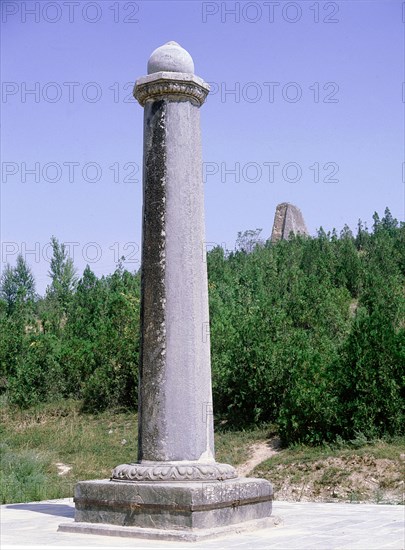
pixel 175 421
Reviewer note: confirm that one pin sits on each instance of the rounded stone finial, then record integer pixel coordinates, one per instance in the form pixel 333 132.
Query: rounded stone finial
pixel 170 57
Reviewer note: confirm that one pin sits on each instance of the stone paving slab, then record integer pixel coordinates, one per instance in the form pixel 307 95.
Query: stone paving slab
pixel 305 525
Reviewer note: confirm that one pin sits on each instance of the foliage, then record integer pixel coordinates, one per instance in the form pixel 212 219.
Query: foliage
pixel 309 333
pixel 38 375
pixel 17 284
pixel 62 274
pixel 248 240
pixel 306 333
pixel 84 345
pixel 22 476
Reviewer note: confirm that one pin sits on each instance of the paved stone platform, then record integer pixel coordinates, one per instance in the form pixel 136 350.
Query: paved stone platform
pixel 305 525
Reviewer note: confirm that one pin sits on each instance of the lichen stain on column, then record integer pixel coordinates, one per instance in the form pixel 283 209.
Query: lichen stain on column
pixel 152 426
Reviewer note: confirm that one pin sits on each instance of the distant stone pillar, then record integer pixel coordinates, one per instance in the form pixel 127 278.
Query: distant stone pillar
pixel 287 219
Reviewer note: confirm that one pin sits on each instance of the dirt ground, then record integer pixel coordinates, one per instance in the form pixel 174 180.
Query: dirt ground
pixel 347 478
pixel 259 453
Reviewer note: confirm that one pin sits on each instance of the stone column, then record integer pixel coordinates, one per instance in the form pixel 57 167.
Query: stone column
pixel 175 398
pixel 176 489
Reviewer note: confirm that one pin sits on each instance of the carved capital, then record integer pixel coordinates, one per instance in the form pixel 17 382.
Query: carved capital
pixel 161 471
pixel 175 86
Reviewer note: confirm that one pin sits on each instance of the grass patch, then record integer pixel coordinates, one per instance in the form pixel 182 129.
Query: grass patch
pixel 23 475
pixel 47 449
pixel 39 439
pixel 86 446
pixel 234 447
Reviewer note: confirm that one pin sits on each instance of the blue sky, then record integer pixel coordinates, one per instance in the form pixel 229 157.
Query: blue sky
pixel 306 107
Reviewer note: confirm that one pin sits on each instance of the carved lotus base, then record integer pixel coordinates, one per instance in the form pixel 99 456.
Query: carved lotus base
pixel 172 471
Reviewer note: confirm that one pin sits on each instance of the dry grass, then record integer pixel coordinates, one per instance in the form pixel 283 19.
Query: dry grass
pixel 373 472
pixel 47 449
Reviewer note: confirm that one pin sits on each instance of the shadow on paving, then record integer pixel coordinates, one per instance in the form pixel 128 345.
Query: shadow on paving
pixel 62 510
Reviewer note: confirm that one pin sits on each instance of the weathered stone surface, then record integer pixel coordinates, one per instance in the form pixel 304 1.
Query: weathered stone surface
pixel 173 505
pixel 175 405
pixel 287 219
pixel 184 535
pixel 170 57
pixel 170 471
pixel 171 86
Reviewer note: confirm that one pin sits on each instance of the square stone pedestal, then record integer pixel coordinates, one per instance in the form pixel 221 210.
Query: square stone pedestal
pixel 171 510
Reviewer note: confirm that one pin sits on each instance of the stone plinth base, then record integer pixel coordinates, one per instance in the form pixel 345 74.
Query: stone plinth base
pixel 168 510
pixel 191 535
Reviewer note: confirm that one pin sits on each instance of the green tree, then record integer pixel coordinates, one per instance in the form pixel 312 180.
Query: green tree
pixel 248 240
pixel 8 287
pixel 114 380
pixel 63 275
pixel 12 341
pixel 362 236
pixel 388 222
pixel 17 284
pixel 24 280
pixel 370 377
